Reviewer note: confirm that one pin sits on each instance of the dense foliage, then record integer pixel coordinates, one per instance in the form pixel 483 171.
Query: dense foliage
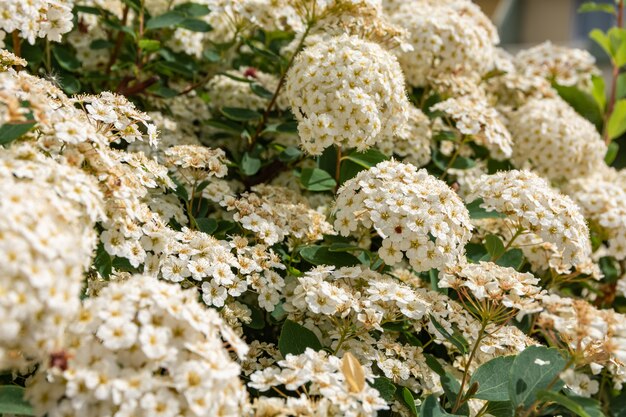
pixel 274 208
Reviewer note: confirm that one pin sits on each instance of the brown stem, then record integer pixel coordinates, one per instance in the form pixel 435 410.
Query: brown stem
pixel 17 44
pixel 615 76
pixel 138 87
pixel 118 43
pixel 459 397
pixel 281 82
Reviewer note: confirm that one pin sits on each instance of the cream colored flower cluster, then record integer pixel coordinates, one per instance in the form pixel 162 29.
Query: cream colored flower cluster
pixel 146 348
pixel 600 335
pixel 487 281
pixel 565 66
pixel 370 297
pixel 552 139
pixel 601 197
pixel 415 214
pixel 335 387
pixel 413 145
pixel 474 118
pixel 37 18
pixel 47 238
pixel 346 92
pixel 448 37
pixel 274 214
pixel 530 202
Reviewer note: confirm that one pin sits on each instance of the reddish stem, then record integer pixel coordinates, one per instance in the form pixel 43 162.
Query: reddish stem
pixel 615 74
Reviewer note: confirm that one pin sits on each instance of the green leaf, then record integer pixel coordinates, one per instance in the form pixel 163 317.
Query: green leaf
pixel 165 20
pixel 456 338
pixel 12 401
pixel 206 225
pixel 532 371
pixel 493 379
pixel 288 127
pixel 592 6
pixel 101 44
pixel 442 161
pixel 616 125
pixel 290 154
pixel 609 268
pixel 617 37
pixel 149 45
pixel 434 364
pixel 295 338
pixel 250 165
pixel 477 212
pixel 261 91
pixel 315 179
pixel 385 387
pixel 322 255
pixel 618 405
pixel 611 153
pixel 367 159
pixel 69 83
pixel 195 25
pixel 602 39
pixel 581 406
pixel 494 246
pixel 193 9
pixel 598 90
pixel 432 408
pixel 581 101
pixel 500 409
pixel 513 258
pixel 240 114
pixel 409 400
pixel 65 58
pixel 11 131
pixel 103 262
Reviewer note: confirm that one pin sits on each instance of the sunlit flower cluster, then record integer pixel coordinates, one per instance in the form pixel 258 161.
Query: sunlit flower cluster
pixel 46 240
pixel 147 348
pixel 535 207
pixel 445 37
pixel 346 92
pixel 417 215
pixel 555 141
pixel 37 18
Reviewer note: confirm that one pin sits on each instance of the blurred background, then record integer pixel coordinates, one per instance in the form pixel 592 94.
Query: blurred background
pixel 523 23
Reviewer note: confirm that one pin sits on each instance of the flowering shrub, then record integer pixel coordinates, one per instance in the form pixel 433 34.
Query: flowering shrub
pixel 273 208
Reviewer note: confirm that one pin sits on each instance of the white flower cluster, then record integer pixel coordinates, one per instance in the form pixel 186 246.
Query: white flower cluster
pixel 598 334
pixel 473 117
pixel 566 66
pixel 220 268
pixel 530 202
pixel 334 387
pixel 413 144
pixel 47 238
pixel 372 298
pixel 347 92
pixel 195 165
pixel 487 281
pixel 601 197
pixel 275 213
pixel 415 214
pixel 37 18
pixel 446 37
pixel 552 139
pixel 143 348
